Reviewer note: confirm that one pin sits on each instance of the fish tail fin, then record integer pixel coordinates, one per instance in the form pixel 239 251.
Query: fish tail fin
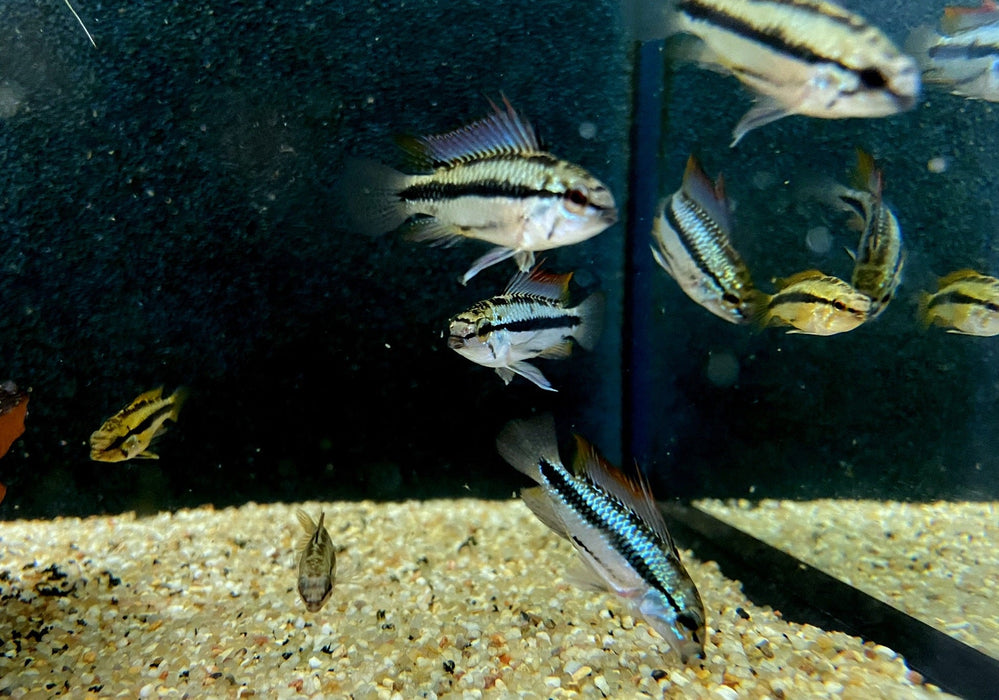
pixel 919 42
pixel 758 307
pixel 591 314
pixel 179 396
pixel 368 192
pixel 523 443
pixel 649 20
pixel 923 310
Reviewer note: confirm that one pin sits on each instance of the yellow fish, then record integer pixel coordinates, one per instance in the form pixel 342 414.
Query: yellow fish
pixel 966 302
pixel 128 433
pixel 816 304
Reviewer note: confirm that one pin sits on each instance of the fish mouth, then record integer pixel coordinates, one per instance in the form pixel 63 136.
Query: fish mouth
pixel 455 342
pixel 609 216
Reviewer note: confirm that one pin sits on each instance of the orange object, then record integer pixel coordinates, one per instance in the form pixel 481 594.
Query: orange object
pixel 3 492
pixel 13 409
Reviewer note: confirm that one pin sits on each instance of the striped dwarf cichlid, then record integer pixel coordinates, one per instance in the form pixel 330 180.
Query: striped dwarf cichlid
pixel 616 527
pixel 965 57
pixel 878 262
pixel 128 433
pixel 529 319
pixel 691 233
pixel 490 180
pixel 808 57
pixel 317 565
pixel 966 302
pixel 816 304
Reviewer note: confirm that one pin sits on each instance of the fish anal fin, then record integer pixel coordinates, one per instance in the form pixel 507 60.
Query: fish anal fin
pixel 541 505
pixel 559 351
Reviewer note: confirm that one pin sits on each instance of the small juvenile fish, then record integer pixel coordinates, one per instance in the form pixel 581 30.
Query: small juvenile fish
pixel 616 527
pixel 692 243
pixel 317 565
pixel 806 57
pixel 529 319
pixel 816 304
pixel 878 262
pixel 965 56
pixel 966 302
pixel 490 181
pixel 129 432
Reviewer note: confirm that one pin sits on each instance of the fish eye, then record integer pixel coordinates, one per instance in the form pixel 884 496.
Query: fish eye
pixel 691 624
pixel 872 78
pixel 576 199
pixel 840 306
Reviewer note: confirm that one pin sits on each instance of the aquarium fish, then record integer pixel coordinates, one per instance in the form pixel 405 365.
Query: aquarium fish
pixel 806 57
pixel 616 527
pixel 129 432
pixel 966 302
pixel 691 233
pixel 965 58
pixel 317 565
pixel 13 411
pixel 878 262
pixel 490 180
pixel 530 319
pixel 816 304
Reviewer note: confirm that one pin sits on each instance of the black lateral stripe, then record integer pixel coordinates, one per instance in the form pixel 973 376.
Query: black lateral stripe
pixel 571 497
pixel 774 39
pixel 963 52
pixel 800 298
pixel 692 250
pixel 147 423
pixel 534 324
pixel 962 298
pixel 433 191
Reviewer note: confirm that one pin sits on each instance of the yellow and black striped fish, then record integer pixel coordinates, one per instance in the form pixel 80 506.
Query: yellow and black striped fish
pixel 816 304
pixel 807 57
pixel 128 433
pixel 615 526
pixel 530 319
pixel 966 302
pixel 880 256
pixel 490 180
pixel 692 243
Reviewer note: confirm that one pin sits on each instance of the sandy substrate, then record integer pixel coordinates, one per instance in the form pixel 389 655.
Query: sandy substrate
pixel 445 599
pixel 936 561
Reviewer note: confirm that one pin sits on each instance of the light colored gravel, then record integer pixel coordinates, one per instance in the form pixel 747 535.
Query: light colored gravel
pixel 459 599
pixel 936 561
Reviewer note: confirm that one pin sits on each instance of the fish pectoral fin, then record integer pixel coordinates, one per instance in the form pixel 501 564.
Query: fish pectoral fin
pixel 765 111
pixel 533 374
pixel 496 255
pixel 147 455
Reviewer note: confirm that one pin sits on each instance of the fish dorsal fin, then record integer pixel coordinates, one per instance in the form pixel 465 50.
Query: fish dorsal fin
pixel 956 276
pixel 537 282
pixel 147 397
pixel 959 19
pixel 867 176
pixel 785 282
pixel 634 493
pixel 502 132
pixel 709 195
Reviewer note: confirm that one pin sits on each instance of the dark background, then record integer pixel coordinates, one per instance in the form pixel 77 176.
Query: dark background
pixel 168 216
